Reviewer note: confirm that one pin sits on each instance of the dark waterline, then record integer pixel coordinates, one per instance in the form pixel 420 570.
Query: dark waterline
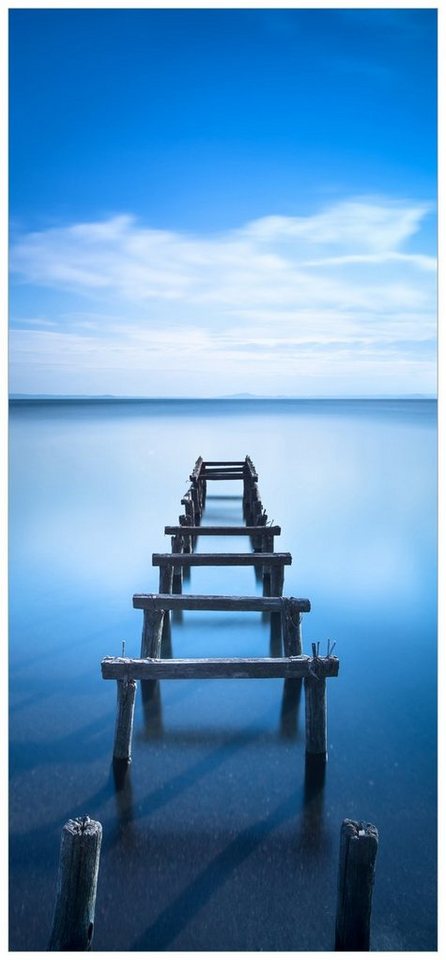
pixel 219 838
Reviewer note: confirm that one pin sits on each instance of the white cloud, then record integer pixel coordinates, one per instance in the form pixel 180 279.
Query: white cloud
pixel 293 297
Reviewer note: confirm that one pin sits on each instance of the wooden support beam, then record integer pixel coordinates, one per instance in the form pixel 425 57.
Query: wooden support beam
pixel 276 576
pixel 291 610
pixel 80 849
pixel 119 668
pixel 188 505
pixel 187 538
pixel 166 576
pixel 156 602
pixel 223 475
pixel 152 631
pixel 221 560
pixel 195 497
pixel 125 708
pixel 356 877
pixel 212 531
pixel 224 463
pixel 177 542
pixel 316 713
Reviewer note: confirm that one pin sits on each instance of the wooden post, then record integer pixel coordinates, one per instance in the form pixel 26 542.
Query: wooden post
pixel 203 488
pixel 166 578
pixel 80 850
pixel 357 856
pixel 316 715
pixel 189 509
pixel 151 633
pixel 277 578
pixel 187 539
pixel 196 501
pixel 125 708
pixel 177 579
pixel 291 628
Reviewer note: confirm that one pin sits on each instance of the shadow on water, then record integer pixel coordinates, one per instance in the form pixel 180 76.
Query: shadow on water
pixel 174 918
pixel 80 745
pixel 152 710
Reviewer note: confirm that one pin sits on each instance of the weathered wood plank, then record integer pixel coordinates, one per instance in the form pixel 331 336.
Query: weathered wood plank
pixel 119 668
pixel 157 601
pixel 356 877
pixel 224 463
pixel 209 531
pixel 80 849
pixel 221 559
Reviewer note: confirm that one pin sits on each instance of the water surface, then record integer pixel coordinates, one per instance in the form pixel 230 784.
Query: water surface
pixel 217 839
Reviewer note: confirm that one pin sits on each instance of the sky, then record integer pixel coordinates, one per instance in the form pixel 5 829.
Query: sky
pixel 213 202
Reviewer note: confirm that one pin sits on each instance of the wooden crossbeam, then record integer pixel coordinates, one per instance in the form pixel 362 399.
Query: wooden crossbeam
pixel 221 559
pixel 223 463
pixel 169 601
pixel 223 475
pixel 228 668
pixel 253 531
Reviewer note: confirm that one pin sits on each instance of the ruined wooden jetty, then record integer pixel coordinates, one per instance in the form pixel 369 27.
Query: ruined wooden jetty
pixel 293 666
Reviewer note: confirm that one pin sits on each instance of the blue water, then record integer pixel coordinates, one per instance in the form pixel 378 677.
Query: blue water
pixel 217 839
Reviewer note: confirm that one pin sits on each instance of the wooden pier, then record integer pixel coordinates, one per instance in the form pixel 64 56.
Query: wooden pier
pixel 293 666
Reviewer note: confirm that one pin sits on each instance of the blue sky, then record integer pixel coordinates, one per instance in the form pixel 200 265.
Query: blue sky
pixel 222 201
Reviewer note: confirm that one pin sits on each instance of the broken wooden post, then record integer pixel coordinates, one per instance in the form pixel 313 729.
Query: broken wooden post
pixel 357 856
pixel 125 708
pixel 80 850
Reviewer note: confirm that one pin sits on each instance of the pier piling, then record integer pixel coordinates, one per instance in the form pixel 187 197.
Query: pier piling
pixel 73 922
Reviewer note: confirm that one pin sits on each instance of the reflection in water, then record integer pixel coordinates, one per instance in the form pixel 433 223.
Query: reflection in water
pixel 121 771
pixel 152 709
pixel 289 714
pixel 314 836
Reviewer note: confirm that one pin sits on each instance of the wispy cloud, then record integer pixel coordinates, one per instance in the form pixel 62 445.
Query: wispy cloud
pixel 295 298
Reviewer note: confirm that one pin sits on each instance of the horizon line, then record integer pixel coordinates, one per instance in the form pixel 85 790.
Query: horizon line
pixel 246 397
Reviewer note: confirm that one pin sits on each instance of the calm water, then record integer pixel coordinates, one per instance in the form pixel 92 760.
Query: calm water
pixel 216 840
